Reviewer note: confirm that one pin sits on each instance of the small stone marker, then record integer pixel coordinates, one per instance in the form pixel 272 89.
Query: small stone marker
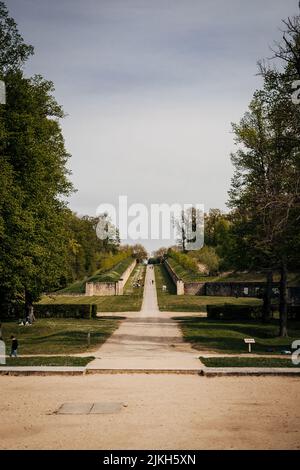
pixel 106 408
pixel 164 288
pixel 249 341
pixel 75 408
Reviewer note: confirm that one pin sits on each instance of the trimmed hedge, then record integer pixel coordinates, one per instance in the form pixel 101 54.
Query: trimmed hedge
pixel 233 312
pixel 86 311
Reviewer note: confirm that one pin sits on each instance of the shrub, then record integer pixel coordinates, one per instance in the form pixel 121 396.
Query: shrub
pixel 233 312
pixel 86 311
pixel 184 260
pixel 107 262
pixel 208 256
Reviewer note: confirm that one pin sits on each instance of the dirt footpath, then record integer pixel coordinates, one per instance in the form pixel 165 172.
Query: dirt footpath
pixel 163 412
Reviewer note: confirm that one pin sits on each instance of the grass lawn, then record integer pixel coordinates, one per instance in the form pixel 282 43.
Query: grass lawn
pixel 228 336
pixel 59 335
pixel 170 302
pixel 112 275
pixel 246 362
pixel 66 361
pixel 131 301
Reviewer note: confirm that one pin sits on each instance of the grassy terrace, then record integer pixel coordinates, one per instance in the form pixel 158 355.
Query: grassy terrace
pixel 228 336
pixel 169 301
pixel 59 335
pixel 62 361
pixel 131 301
pixel 246 362
pixel 189 276
pixel 112 275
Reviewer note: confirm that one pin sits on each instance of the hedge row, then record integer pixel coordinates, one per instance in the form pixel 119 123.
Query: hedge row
pixel 86 311
pixel 233 312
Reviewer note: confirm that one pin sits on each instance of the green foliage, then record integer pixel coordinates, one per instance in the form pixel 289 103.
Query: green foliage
pixel 218 235
pixel 228 337
pixel 60 335
pixel 52 361
pixel 209 258
pixel 86 252
pixel 33 157
pixel 59 311
pixel 184 260
pixel 14 52
pixel 112 268
pixel 170 302
pixel 246 362
pixel 120 261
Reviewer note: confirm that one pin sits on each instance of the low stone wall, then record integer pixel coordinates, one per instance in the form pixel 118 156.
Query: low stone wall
pixel 194 288
pixel 237 289
pixel 109 288
pixel 125 276
pixel 100 288
pixel 177 281
pixel 228 289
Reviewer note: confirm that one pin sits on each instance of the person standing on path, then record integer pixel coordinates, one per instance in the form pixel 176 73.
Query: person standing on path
pixel 14 346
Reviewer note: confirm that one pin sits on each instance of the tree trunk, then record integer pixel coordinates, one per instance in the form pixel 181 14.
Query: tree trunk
pixel 28 305
pixel 283 306
pixel 267 307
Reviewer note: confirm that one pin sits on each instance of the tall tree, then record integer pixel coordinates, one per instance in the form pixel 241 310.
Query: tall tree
pixel 34 176
pixel 14 51
pixel 266 185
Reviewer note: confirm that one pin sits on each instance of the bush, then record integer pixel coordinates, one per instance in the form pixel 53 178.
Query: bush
pixel 233 312
pixel 208 256
pixel 86 311
pixel 184 260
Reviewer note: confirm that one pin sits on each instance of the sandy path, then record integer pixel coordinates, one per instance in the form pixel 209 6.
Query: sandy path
pixel 163 412
pixel 147 340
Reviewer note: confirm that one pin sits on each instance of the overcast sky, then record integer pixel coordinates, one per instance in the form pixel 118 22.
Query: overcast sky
pixel 150 88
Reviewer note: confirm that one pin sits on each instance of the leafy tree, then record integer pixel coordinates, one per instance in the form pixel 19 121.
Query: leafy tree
pixel 265 188
pixel 34 179
pixel 14 52
pixel 33 239
pixel 139 252
pixel 208 257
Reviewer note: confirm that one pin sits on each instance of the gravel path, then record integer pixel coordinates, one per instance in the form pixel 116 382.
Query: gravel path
pixel 162 412
pixel 147 340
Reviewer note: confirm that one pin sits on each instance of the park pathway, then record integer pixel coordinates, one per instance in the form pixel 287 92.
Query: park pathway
pixel 148 340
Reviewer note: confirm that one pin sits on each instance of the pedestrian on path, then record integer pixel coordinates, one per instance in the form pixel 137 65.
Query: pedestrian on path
pixel 14 346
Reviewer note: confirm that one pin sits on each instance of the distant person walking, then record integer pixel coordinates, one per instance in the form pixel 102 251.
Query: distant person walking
pixel 14 346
